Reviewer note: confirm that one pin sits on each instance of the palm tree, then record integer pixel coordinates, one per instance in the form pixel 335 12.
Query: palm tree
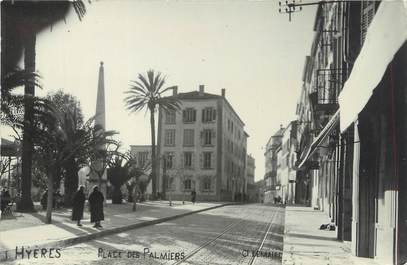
pixel 57 140
pixel 147 93
pixel 22 21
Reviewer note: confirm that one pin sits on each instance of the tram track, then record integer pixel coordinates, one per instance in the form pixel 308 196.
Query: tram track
pixel 252 257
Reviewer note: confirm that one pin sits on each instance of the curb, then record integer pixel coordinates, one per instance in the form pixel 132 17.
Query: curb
pixel 87 237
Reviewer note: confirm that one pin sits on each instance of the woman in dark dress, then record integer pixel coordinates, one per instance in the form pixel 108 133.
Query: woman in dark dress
pixel 96 207
pixel 78 204
pixel 193 196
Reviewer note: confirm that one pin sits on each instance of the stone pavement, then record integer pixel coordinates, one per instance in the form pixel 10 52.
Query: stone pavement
pixel 304 243
pixel 29 229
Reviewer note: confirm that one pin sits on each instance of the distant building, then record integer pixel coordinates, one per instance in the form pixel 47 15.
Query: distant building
pixel 142 155
pixel 250 169
pixel 288 158
pixel 204 148
pixel 271 186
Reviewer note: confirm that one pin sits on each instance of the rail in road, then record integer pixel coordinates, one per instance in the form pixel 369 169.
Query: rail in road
pixel 254 252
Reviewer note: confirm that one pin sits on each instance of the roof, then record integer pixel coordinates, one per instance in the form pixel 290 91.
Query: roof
pixel 196 95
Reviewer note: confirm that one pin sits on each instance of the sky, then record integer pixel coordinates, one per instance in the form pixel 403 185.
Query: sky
pixel 246 47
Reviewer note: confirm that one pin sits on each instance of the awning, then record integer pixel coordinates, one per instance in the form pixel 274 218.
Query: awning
pixel 318 140
pixel 385 35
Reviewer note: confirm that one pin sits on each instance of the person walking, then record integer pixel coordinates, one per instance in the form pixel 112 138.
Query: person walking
pixel 96 207
pixel 78 204
pixel 193 196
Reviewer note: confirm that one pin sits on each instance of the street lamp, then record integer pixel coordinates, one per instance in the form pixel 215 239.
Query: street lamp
pixel 291 6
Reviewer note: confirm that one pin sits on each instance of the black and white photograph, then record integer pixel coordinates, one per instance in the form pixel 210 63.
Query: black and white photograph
pixel 203 132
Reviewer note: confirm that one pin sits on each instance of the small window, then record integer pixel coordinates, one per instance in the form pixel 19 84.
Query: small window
pixel 206 184
pixel 189 115
pixel 187 159
pixel 142 158
pixel 208 115
pixel 170 117
pixel 208 136
pixel 169 139
pixel 207 159
pixel 187 184
pixel 189 138
pixel 169 160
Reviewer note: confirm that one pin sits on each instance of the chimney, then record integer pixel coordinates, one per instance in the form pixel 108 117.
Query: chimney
pixel 175 90
pixel 223 92
pixel 201 89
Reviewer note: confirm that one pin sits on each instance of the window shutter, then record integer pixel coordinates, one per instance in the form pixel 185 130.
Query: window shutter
pixel 182 165
pixel 202 137
pixel 203 115
pixel 184 114
pixel 194 115
pixel 214 114
pixel 213 160
pixel 192 160
pixel 213 136
pixel 201 160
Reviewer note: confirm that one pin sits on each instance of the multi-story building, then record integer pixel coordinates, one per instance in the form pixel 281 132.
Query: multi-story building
pixel 352 134
pixel 250 169
pixel 142 155
pixel 203 146
pixel 288 160
pixel 270 176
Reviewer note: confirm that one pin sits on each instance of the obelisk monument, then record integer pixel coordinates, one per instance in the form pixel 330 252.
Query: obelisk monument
pixel 98 174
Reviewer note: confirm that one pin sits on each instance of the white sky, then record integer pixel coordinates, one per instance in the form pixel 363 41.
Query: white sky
pixel 246 47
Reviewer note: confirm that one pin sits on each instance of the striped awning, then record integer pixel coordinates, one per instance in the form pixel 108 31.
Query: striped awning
pixel 308 152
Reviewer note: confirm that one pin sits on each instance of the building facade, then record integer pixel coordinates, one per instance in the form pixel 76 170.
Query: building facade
pixel 202 147
pixel 351 134
pixel 250 169
pixel 271 186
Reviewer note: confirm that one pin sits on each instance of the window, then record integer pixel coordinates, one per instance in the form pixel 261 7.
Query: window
pixel 206 185
pixel 169 160
pixel 142 158
pixel 208 114
pixel 187 184
pixel 169 139
pixel 207 137
pixel 187 159
pixel 189 138
pixel 170 117
pixel 207 159
pixel 189 115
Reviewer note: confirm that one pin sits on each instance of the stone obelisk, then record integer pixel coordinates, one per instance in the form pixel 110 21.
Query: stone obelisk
pixel 98 174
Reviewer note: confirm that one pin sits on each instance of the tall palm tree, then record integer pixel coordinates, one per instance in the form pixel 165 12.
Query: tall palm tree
pixel 147 93
pixel 22 21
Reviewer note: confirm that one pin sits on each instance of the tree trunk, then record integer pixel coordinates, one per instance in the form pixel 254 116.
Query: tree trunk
pixel 26 203
pixel 71 182
pixel 153 155
pixel 50 198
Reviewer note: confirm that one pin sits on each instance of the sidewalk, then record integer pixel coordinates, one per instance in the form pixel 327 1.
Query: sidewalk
pixel 305 244
pixel 29 230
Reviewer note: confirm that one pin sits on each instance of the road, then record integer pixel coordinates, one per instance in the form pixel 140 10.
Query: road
pixel 238 234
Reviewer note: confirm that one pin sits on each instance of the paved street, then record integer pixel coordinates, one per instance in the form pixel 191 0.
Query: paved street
pixel 227 235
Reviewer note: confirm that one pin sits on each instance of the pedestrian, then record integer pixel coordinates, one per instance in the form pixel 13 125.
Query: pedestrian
pixel 78 204
pixel 96 207
pixel 193 196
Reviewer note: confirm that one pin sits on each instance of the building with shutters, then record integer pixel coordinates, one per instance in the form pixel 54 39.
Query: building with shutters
pixel 352 127
pixel 202 147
